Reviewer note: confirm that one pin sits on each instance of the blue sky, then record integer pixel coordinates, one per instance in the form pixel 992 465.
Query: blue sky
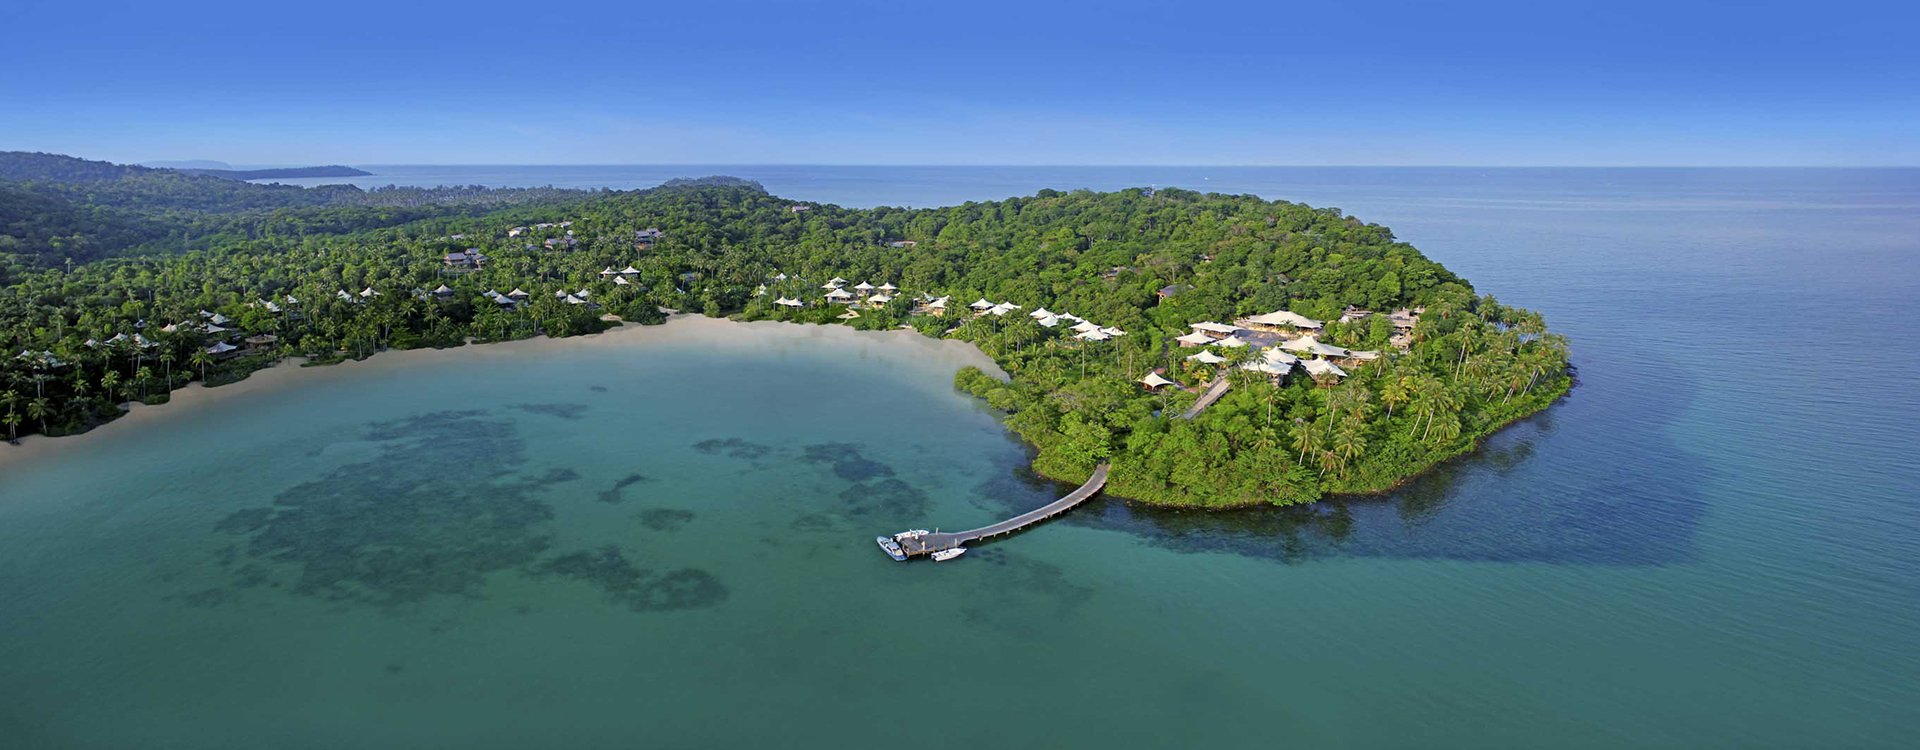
pixel 990 82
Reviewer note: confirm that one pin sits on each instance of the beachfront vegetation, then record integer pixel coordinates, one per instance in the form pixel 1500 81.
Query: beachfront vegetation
pixel 159 258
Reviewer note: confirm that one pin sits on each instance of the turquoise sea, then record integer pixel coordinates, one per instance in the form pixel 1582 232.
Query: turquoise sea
pixel 662 537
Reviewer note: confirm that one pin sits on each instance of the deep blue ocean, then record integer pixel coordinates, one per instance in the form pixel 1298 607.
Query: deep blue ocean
pixel 1713 542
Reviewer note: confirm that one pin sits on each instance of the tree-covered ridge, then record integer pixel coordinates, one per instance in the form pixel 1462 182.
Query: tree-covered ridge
pixel 1472 366
pixel 55 209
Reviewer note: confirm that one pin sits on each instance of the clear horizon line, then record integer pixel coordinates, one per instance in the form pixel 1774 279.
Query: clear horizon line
pixel 1076 166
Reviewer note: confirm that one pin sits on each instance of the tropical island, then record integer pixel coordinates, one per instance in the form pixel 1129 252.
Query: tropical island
pixel 1216 350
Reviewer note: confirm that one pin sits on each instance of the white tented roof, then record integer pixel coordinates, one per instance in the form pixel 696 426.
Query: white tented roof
pixel 1308 345
pixel 1212 327
pixel 1231 341
pixel 1040 313
pixel 839 294
pixel 1207 357
pixel 1153 380
pixel 1284 318
pixel 1194 338
pixel 1094 335
pixel 788 302
pixel 981 304
pixel 1322 368
pixel 1270 368
pixel 1084 326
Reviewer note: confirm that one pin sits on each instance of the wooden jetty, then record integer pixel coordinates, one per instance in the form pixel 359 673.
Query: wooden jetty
pixel 927 544
pixel 1214 392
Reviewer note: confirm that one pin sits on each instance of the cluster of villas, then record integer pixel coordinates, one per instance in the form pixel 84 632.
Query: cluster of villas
pixel 216 327
pixel 1282 341
pixel 838 293
pixel 471 258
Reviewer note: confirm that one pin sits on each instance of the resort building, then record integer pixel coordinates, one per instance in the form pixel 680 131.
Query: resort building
pixel 840 297
pixel 1310 345
pixel 1154 381
pixel 1280 320
pixel 935 307
pixel 1322 370
pixel 1272 362
pixel 465 260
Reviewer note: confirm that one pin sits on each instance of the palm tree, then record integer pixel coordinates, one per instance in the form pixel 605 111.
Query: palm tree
pixel 13 424
pixel 1304 438
pixel 1447 429
pixel 140 378
pixel 110 381
pixel 201 359
pixel 1442 399
pixel 38 409
pixel 1397 391
pixel 166 358
pixel 1348 442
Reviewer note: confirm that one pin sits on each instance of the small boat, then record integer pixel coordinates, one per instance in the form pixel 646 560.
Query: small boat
pixel 912 534
pixel 891 547
pixel 948 554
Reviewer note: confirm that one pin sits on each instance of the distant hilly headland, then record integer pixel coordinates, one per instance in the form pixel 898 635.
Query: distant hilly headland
pixel 331 170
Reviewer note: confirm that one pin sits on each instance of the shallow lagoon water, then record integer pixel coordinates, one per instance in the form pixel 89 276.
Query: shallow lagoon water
pixel 666 542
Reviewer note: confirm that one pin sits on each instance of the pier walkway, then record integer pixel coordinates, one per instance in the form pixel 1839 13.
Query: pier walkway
pixel 930 543
pixel 1214 392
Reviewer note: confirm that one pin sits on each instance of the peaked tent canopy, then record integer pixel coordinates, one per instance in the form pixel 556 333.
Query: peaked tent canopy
pixel 1154 380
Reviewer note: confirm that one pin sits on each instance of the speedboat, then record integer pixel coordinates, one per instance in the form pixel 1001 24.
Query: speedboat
pixel 891 547
pixel 912 534
pixel 948 554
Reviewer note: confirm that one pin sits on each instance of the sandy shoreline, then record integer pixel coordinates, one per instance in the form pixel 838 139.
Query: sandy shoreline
pixel 289 374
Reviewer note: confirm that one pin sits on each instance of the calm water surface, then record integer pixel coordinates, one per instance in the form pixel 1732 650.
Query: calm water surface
pixel 1713 543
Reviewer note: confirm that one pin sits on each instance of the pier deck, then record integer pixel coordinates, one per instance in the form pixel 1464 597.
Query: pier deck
pixel 931 543
pixel 1214 392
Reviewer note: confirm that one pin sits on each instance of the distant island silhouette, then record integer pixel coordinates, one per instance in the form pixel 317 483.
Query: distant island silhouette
pixel 332 170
